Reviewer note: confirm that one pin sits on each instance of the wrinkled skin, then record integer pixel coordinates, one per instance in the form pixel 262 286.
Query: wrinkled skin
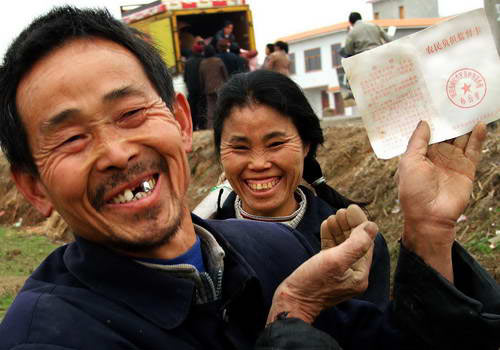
pixel 435 183
pixel 261 145
pixel 97 126
pixel 339 272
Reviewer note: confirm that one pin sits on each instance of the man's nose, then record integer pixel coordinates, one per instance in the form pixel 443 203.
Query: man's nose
pixel 115 152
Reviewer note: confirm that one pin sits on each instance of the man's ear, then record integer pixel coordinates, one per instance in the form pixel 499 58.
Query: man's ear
pixel 33 190
pixel 182 114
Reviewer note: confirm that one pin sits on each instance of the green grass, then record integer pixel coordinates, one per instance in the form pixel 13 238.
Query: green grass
pixel 20 254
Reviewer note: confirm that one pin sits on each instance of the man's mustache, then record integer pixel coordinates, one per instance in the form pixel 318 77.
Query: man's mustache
pixel 123 176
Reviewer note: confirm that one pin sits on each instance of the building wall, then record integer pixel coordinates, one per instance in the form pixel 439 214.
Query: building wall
pixel 412 8
pixel 314 97
pixel 313 83
pixel 327 76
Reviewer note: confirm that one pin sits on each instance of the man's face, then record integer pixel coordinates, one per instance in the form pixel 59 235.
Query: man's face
pixel 110 154
pixel 228 29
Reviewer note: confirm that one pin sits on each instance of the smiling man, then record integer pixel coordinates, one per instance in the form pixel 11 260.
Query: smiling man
pixel 92 129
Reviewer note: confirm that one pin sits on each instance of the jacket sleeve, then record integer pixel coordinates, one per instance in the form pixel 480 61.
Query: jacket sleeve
pixel 294 334
pixel 464 315
pixel 349 45
pixel 384 35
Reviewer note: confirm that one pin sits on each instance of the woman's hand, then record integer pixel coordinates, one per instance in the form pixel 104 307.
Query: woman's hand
pixel 339 272
pixel 435 183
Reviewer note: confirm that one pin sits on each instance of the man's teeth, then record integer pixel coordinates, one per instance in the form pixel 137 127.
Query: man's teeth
pixel 263 186
pixel 142 191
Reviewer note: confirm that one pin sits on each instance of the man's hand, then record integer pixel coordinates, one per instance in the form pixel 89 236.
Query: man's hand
pixel 435 183
pixel 336 274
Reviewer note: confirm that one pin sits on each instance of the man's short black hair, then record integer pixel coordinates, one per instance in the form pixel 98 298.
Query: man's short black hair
pixel 354 16
pixel 228 23
pixel 282 45
pixel 48 33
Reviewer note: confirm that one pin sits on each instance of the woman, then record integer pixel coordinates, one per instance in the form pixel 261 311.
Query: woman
pixel 266 135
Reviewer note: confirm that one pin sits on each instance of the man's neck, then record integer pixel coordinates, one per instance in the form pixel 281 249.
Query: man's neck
pixel 181 242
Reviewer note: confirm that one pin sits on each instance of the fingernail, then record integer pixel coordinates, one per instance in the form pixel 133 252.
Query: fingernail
pixel 371 227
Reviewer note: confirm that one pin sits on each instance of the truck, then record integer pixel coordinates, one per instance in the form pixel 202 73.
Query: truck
pixel 170 24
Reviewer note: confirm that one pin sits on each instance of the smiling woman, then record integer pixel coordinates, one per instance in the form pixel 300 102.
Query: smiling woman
pixel 266 135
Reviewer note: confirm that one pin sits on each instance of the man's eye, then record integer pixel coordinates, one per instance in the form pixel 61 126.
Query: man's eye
pixel 132 113
pixel 240 147
pixel 132 118
pixel 73 139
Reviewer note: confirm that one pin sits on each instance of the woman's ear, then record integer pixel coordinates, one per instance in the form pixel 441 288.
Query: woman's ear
pixel 307 147
pixel 33 190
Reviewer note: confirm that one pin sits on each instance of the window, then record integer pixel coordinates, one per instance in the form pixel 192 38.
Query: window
pixel 336 58
pixel 401 12
pixel 312 59
pixel 291 56
pixel 376 15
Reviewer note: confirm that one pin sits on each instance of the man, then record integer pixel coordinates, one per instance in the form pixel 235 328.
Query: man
pixel 192 80
pixel 230 59
pixel 92 129
pixel 363 36
pixel 225 33
pixel 278 60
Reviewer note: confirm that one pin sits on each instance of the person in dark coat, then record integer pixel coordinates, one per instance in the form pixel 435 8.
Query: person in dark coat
pixel 193 85
pixel 230 60
pixel 242 62
pixel 92 129
pixel 213 75
pixel 225 33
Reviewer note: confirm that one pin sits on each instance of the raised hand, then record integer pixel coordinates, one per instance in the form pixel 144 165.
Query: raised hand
pixel 435 184
pixel 336 274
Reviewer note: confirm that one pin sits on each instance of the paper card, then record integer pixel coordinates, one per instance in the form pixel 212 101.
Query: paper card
pixel 448 75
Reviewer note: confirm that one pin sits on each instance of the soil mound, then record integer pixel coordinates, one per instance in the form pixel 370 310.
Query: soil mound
pixel 349 165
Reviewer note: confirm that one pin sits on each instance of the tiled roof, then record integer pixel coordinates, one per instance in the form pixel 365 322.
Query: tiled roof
pixel 398 23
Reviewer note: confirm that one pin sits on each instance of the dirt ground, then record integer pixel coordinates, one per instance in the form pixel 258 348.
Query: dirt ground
pixel 349 165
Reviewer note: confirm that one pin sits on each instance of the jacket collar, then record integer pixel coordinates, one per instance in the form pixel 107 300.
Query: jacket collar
pixel 141 288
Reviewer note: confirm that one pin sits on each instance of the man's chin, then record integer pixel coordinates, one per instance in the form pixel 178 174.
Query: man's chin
pixel 145 244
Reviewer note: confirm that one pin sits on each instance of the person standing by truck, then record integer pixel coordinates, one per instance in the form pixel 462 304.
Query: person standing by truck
pixel 225 33
pixel 192 80
pixel 278 60
pixel 213 74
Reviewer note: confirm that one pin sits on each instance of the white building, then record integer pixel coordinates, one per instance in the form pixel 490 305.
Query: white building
pixel 315 60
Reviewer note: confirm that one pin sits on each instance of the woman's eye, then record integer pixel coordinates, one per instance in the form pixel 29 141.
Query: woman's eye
pixel 276 144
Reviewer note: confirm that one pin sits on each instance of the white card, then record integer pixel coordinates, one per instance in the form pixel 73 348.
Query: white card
pixel 448 75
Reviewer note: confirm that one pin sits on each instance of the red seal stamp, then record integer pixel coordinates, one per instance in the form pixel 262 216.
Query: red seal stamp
pixel 466 88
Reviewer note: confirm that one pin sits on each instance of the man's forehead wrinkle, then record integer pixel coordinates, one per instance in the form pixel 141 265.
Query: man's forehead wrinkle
pixel 122 92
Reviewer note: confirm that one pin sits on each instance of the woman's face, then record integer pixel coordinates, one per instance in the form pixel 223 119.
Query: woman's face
pixel 263 158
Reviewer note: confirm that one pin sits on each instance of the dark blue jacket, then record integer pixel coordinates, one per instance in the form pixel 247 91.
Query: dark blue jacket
pixel 317 211
pixel 85 296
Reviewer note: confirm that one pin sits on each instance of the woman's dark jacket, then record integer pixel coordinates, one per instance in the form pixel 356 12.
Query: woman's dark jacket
pixel 317 211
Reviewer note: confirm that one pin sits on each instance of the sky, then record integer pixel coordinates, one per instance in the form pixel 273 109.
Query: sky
pixel 272 18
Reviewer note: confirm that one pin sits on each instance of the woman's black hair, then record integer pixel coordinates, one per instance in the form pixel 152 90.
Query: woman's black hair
pixel 277 91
